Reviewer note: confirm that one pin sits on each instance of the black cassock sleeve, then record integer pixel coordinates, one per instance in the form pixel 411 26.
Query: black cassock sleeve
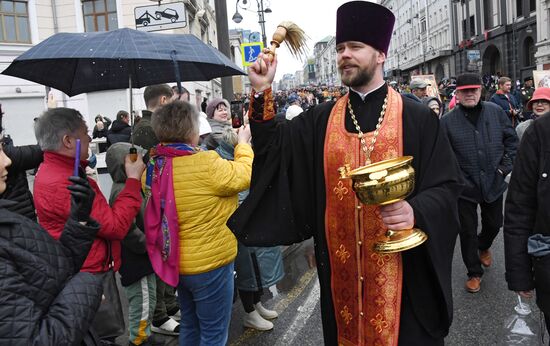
pixel 281 207
pixel 427 268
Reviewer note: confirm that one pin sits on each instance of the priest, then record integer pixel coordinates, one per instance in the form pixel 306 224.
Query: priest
pixel 367 298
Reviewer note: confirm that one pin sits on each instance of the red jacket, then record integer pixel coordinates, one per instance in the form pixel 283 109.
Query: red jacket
pixel 53 201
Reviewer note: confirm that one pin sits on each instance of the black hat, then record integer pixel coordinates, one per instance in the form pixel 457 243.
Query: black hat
pixel 526 79
pixel 365 22
pixel 468 81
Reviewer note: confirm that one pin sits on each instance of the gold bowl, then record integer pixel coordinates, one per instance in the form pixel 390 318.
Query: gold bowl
pixel 384 182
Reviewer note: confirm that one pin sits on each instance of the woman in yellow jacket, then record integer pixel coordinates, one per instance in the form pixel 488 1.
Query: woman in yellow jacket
pixel 192 194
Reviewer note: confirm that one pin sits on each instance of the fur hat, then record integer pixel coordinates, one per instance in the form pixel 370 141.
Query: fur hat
pixel 213 104
pixel 365 22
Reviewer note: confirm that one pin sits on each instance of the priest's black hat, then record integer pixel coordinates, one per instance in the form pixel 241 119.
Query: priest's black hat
pixel 365 22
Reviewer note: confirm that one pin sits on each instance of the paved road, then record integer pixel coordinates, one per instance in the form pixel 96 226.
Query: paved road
pixel 478 318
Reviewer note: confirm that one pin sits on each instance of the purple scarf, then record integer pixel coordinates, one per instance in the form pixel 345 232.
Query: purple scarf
pixel 161 217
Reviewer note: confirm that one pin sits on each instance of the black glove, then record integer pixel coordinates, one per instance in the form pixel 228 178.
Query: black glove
pixel 82 197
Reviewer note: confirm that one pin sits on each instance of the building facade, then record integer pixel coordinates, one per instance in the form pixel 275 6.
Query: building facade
pixel 449 37
pixel 287 82
pixel 422 39
pixel 27 22
pixel 241 84
pixel 327 71
pixel 542 45
pixel 502 33
pixel 308 70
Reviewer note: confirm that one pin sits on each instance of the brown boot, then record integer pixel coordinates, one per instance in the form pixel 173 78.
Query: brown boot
pixel 485 258
pixel 473 285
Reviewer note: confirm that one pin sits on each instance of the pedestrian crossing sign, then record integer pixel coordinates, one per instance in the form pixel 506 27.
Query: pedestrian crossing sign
pixel 250 52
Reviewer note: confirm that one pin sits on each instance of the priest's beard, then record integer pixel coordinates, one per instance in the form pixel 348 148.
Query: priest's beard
pixel 362 76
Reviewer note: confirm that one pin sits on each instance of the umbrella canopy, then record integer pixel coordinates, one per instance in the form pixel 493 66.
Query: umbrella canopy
pixel 76 63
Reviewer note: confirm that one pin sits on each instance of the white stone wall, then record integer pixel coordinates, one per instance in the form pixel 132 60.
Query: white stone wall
pixel 411 45
pixel 326 61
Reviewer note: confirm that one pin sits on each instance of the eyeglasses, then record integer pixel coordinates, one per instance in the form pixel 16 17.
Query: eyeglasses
pixel 541 102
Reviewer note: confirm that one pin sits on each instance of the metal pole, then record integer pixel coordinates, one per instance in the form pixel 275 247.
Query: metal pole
pixel 427 31
pixel 515 51
pixel 131 108
pixel 261 20
pixel 223 45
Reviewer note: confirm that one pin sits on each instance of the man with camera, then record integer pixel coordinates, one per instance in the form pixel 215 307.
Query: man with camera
pixel 507 101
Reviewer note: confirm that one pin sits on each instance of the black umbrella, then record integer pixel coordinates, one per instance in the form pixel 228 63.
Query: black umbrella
pixel 76 63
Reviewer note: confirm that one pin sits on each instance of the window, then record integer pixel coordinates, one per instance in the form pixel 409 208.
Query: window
pixel 99 15
pixel 519 8
pixel 532 5
pixel 15 22
pixel 488 14
pixel 528 52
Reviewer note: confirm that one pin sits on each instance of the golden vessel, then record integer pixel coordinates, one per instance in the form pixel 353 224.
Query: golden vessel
pixel 383 183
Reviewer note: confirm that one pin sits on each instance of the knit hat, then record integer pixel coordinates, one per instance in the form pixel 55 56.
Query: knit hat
pixel 468 81
pixel 213 104
pixel 539 94
pixel 365 22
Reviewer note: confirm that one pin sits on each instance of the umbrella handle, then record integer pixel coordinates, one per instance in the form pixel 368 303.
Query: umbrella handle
pixel 133 154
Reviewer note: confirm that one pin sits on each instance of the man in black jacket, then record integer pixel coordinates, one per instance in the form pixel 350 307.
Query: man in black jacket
pixel 44 300
pixel 101 129
pixel 154 96
pixel 120 130
pixel 526 216
pixel 484 142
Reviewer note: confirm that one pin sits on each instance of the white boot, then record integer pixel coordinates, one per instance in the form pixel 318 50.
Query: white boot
pixel 265 313
pixel 255 321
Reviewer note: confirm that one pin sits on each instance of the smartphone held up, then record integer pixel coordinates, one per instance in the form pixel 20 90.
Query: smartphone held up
pixel 237 114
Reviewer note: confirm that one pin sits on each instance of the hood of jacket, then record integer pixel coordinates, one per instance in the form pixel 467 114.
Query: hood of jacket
pixel 114 158
pixel 426 100
pixel 226 150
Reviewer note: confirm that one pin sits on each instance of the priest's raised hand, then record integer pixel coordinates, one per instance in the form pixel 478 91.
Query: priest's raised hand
pixel 262 72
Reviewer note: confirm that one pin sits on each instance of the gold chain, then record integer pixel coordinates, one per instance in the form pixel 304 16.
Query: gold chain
pixel 361 135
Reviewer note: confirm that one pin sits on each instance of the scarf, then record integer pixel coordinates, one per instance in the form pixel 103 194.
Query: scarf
pixel 161 218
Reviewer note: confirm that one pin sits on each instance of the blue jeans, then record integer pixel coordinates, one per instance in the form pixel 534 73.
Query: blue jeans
pixel 205 303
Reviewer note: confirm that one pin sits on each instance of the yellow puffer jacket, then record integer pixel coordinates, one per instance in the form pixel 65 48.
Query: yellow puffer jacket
pixel 206 187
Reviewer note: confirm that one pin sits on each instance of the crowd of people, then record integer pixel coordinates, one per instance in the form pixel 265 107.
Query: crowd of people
pixel 162 229
pixel 204 199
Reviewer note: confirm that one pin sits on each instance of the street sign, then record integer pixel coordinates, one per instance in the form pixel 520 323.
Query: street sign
pixel 160 17
pixel 250 52
pixel 474 60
